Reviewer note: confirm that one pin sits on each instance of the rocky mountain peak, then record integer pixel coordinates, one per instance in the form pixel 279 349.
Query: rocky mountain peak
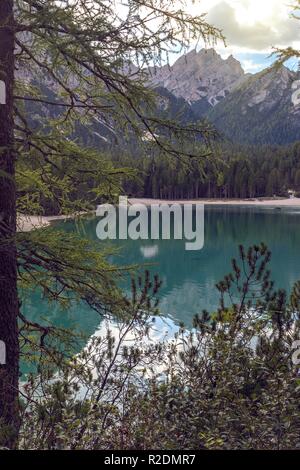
pixel 235 64
pixel 202 75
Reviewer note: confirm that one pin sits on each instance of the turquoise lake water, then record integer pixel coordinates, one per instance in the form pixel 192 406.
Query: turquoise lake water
pixel 189 277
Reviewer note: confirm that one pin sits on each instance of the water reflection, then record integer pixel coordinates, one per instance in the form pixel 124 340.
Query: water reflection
pixel 189 277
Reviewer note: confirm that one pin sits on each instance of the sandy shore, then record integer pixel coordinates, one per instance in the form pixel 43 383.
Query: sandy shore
pixel 26 223
pixel 291 202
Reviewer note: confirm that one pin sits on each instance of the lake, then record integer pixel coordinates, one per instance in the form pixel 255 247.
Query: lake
pixel 189 277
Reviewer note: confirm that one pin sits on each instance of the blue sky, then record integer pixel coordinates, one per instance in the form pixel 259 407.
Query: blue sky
pixel 255 62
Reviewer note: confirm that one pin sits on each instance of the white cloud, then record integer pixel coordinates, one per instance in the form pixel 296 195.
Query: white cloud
pixel 252 25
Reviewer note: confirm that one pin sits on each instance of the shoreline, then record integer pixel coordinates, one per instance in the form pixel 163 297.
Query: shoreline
pixel 26 223
pixel 265 202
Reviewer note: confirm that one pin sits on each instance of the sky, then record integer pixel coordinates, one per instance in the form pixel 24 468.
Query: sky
pixel 251 28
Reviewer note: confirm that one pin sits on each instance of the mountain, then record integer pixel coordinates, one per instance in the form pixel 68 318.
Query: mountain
pixel 202 78
pixel 263 108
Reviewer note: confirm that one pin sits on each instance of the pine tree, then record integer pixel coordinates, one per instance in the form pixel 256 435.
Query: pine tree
pixel 9 375
pixel 74 64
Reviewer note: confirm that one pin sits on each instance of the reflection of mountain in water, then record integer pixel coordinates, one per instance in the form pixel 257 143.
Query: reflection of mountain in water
pixel 189 278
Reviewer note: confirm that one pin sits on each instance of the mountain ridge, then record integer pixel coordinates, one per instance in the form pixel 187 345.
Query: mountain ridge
pixel 198 75
pixel 255 109
pixel 259 108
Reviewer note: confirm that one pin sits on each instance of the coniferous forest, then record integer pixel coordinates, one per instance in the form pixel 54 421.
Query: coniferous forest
pixel 234 172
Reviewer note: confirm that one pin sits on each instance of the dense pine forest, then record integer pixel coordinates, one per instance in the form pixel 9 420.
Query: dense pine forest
pixel 233 172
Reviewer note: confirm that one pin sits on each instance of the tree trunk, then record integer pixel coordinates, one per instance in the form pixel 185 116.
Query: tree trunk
pixel 9 371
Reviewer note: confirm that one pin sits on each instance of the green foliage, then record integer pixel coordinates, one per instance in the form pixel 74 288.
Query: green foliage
pixel 81 74
pixel 80 78
pixel 228 384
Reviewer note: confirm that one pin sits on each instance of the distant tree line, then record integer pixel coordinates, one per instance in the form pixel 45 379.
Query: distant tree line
pixel 233 172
